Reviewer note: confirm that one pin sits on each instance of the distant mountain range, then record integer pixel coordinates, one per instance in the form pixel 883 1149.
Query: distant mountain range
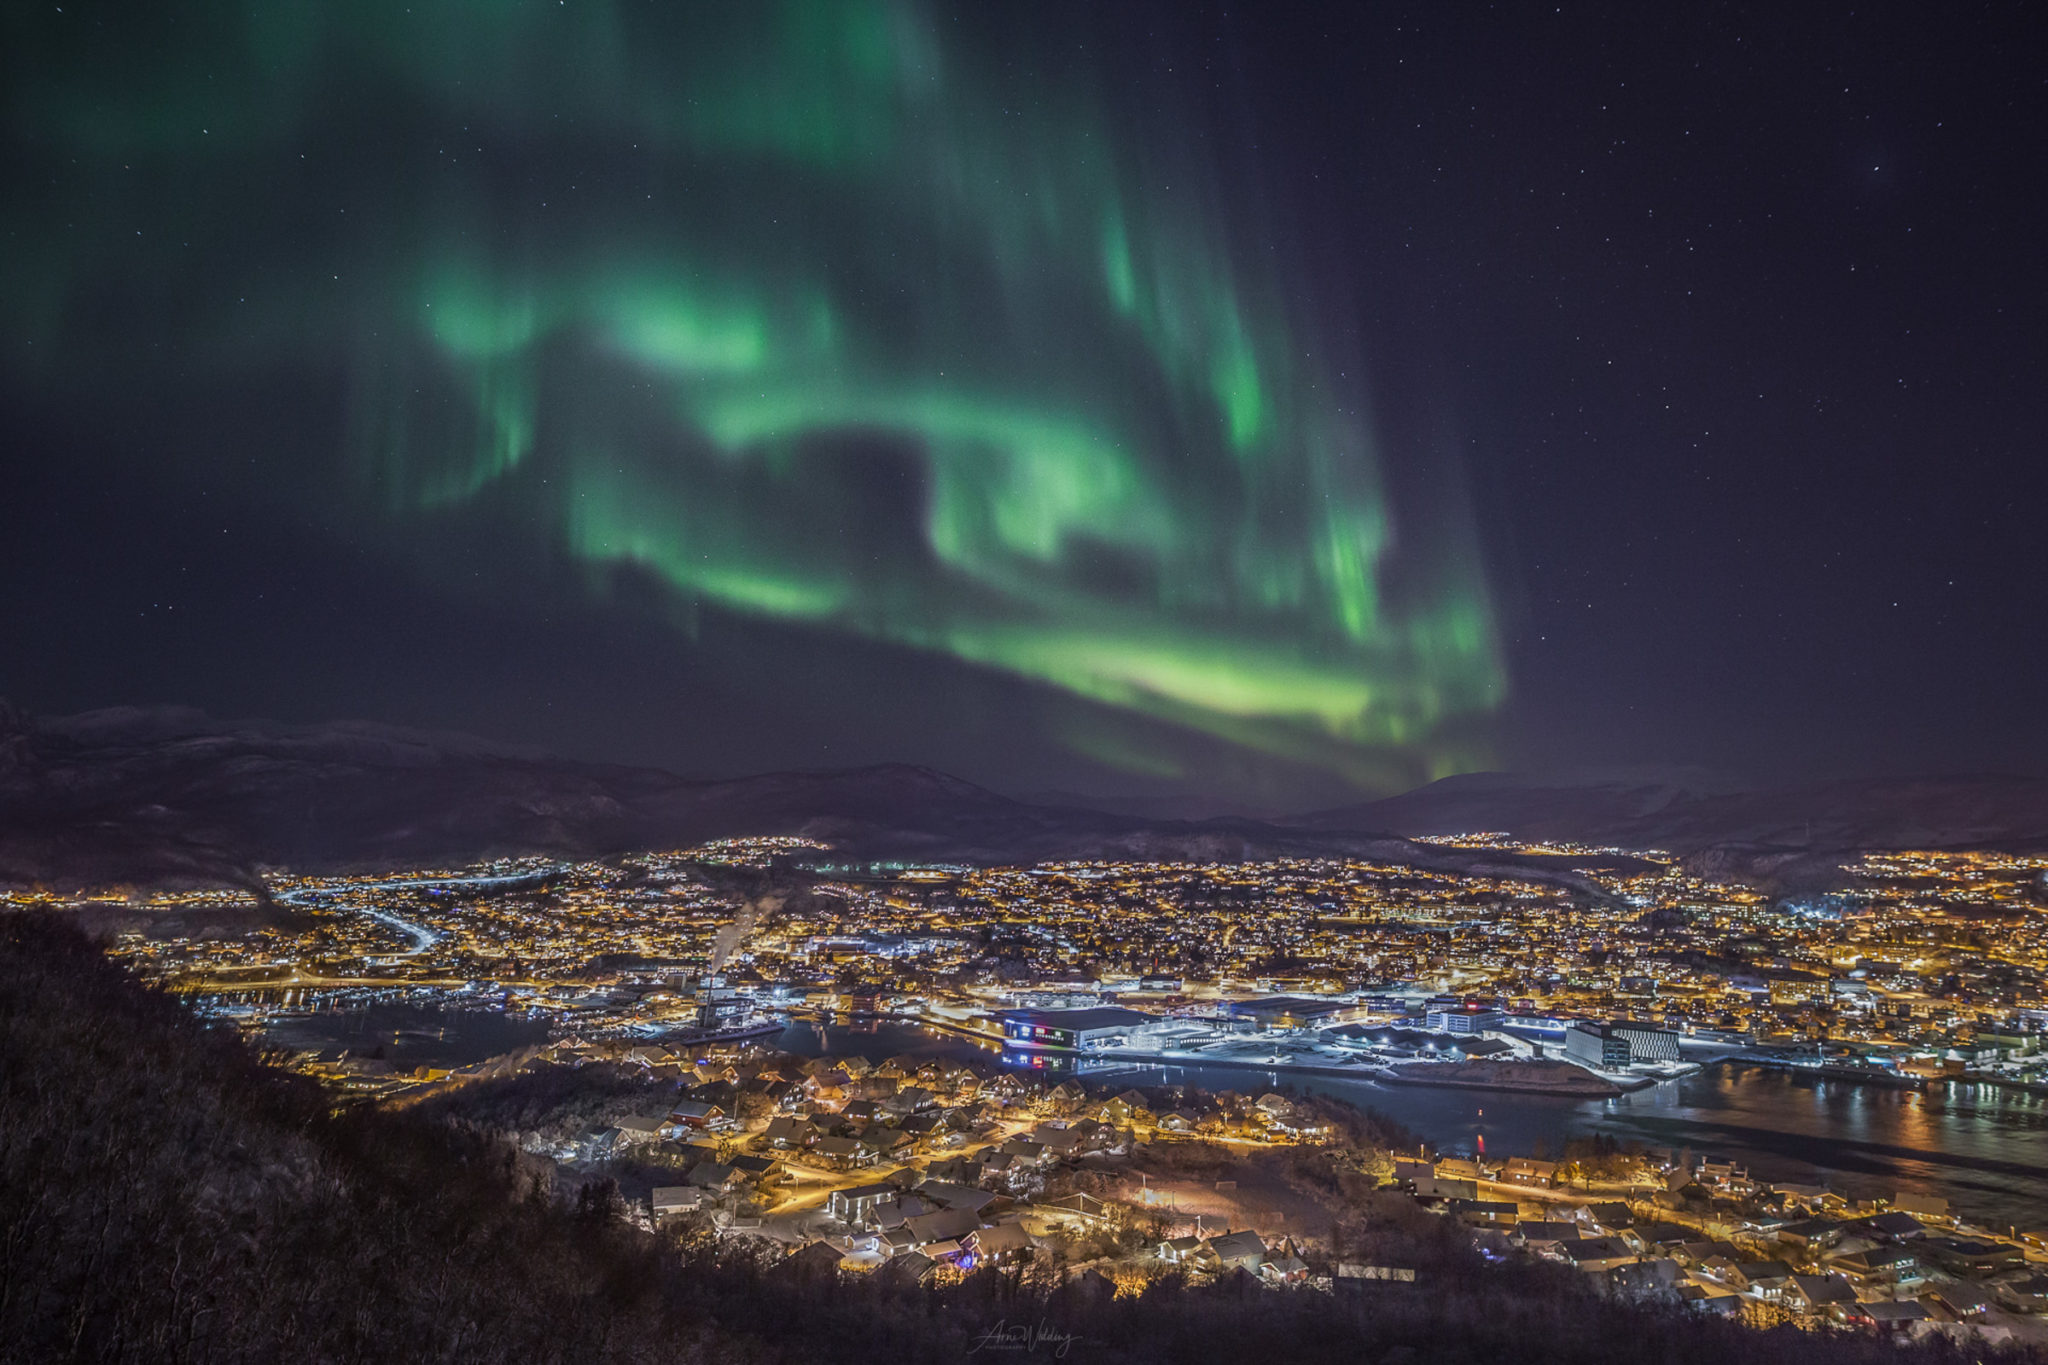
pixel 1785 836
pixel 150 796
pixel 157 796
pixel 1655 811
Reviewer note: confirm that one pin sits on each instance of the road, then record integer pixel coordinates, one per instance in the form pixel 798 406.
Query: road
pixel 422 937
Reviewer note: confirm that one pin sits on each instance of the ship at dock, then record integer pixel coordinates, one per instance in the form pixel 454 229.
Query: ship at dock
pixel 716 1014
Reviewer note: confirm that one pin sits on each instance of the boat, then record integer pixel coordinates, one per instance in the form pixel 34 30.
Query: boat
pixel 694 1036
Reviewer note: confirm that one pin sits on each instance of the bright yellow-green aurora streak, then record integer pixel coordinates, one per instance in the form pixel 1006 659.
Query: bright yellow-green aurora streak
pixel 679 280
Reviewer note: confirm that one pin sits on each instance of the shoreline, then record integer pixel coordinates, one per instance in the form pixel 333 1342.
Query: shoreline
pixel 2001 1082
pixel 1594 1087
pixel 1855 1075
pixel 1601 1089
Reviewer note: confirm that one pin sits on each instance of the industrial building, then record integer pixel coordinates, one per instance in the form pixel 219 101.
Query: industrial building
pixel 1616 1047
pixel 1106 1026
pixel 1465 1017
pixel 1292 1011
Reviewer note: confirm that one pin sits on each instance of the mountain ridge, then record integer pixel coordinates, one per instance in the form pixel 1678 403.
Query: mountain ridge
pixel 132 796
pixel 170 796
pixel 1897 812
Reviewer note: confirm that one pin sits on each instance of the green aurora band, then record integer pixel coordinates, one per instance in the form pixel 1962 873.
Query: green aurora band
pixel 687 283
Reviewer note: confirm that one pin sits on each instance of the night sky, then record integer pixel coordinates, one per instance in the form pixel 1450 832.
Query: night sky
pixel 1278 403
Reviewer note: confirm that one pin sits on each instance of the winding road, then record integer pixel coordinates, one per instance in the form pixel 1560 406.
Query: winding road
pixel 422 937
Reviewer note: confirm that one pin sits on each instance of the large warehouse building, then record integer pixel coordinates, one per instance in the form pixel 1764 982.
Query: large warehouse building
pixel 1108 1026
pixel 1616 1047
pixel 1293 1011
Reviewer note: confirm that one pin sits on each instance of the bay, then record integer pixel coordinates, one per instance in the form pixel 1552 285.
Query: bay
pixel 1983 1148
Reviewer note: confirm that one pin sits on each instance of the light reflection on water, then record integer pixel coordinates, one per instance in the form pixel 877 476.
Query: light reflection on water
pixel 1983 1148
pixel 409 1034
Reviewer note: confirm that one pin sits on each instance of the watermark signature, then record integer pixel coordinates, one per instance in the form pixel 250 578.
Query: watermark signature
pixel 1024 1336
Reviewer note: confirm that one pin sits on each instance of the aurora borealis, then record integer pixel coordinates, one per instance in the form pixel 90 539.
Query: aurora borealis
pixel 682 283
pixel 1258 405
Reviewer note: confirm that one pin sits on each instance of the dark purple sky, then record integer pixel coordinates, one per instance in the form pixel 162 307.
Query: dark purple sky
pixel 1714 333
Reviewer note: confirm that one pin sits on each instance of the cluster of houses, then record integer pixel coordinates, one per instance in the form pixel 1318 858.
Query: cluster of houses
pixel 971 1152
pixel 922 1222
pixel 1231 1252
pixel 958 1213
pixel 1722 1242
pixel 845 1113
pixel 914 1229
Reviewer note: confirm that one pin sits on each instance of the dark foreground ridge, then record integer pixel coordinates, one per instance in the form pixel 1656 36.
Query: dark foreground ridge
pixel 165 1195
